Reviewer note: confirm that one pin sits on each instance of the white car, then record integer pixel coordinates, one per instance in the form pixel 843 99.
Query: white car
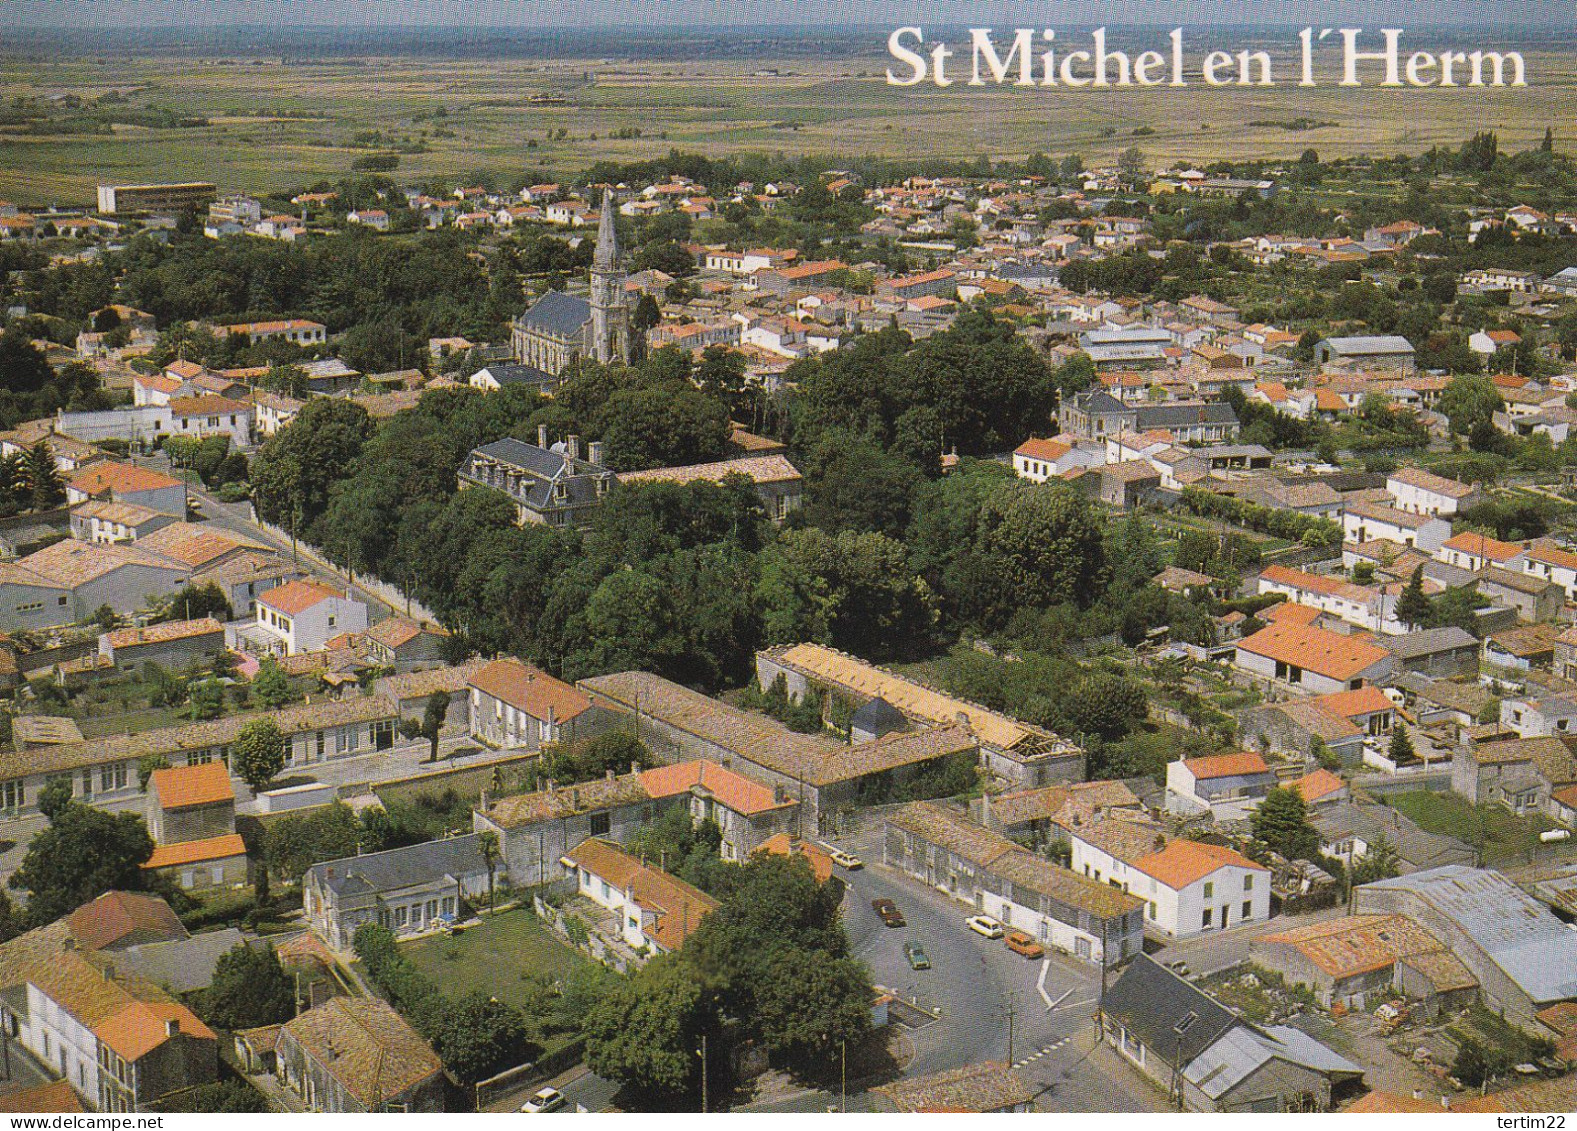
pixel 548 1099
pixel 844 859
pixel 986 925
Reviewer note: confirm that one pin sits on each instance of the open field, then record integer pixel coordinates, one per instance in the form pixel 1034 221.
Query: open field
pixel 474 116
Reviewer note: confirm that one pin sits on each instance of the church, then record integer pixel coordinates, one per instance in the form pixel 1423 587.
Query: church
pixel 561 328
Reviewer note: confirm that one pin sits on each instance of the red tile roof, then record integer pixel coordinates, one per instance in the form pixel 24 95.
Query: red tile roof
pixel 182 786
pixel 1226 765
pixel 731 790
pixel 1182 862
pixel 1316 650
pixel 116 914
pixel 1048 450
pixel 1321 783
pixel 297 596
pixel 531 690
pixel 143 1026
pixel 1367 700
pixel 197 851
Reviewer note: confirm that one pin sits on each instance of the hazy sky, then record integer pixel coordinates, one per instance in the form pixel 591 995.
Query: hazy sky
pixel 561 13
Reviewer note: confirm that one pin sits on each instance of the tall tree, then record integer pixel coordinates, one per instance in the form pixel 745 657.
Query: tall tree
pixel 249 988
pixel 258 753
pixel 1413 608
pixel 433 715
pixel 43 477
pixel 83 853
pixel 1281 820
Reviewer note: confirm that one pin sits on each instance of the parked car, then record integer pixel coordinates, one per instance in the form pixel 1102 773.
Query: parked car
pixel 888 911
pixel 985 925
pixel 1178 967
pixel 915 953
pixel 844 859
pixel 546 1100
pixel 1019 942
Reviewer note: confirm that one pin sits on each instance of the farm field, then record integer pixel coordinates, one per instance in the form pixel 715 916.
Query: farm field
pixel 275 124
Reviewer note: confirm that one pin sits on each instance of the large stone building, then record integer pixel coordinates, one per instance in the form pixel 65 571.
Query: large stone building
pixel 561 328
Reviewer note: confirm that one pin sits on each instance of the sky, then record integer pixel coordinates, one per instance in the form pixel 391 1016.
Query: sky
pixel 593 13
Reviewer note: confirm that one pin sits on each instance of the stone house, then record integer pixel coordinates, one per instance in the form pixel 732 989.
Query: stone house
pixel 356 1054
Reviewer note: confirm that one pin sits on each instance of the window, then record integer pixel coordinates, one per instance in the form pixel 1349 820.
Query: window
pixel 1204 920
pixel 112 777
pixel 448 905
pixel 1248 909
pixel 1152 910
pixel 399 916
pixel 600 824
pixel 1210 888
pixel 1248 882
pixel 13 794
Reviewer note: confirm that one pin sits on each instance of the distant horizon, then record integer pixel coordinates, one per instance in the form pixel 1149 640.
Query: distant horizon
pixel 616 15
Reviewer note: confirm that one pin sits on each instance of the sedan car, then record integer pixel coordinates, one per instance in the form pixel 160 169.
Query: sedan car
pixel 1021 943
pixel 985 925
pixel 888 911
pixel 845 859
pixel 546 1100
pixel 915 953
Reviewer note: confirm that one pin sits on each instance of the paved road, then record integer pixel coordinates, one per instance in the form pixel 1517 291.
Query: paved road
pixel 975 983
pixel 1208 953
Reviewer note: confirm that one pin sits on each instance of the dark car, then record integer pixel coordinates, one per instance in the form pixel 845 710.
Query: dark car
pixel 915 953
pixel 888 911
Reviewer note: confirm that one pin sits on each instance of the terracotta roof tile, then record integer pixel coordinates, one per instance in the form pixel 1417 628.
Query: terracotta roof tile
pixel 1185 861
pixel 295 597
pixel 196 851
pixel 731 790
pixel 1238 764
pixel 531 690
pixel 181 786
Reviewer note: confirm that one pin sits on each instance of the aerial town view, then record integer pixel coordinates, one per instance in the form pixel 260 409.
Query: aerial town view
pixel 559 561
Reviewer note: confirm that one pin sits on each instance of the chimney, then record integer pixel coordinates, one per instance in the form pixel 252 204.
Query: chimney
pixel 69 943
pixel 482 801
pixel 573 445
pixel 109 971
pixel 611 773
pixel 594 452
pixel 542 435
pixel 635 767
pixel 779 794
pixel 574 798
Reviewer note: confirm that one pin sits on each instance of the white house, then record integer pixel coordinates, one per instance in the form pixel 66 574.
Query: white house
pixel 516 706
pixel 304 616
pixel 1040 460
pixel 1368 607
pixel 1312 658
pixel 1188 887
pixel 1417 491
pixel 1553 564
pixel 1365 522
pixel 657 912
pixel 1479 551
pixel 1230 786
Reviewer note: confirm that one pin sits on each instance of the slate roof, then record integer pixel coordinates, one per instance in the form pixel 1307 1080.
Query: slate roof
pixel 182 965
pixel 557 314
pixel 1428 642
pixel 1243 1050
pixel 401 867
pixel 1167 1014
pixel 877 716
pixel 507 374
pixel 542 467
pixel 1182 415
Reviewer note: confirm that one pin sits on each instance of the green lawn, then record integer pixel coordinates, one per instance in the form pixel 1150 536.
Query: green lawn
pixel 493 955
pixel 1508 838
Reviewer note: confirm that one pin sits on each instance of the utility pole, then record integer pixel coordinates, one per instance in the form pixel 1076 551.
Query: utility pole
pixel 1011 1013
pixel 843 1086
pixel 702 1055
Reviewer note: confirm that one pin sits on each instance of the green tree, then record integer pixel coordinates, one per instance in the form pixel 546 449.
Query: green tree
pixel 83 853
pixel 808 1004
pixel 249 988
pixel 1401 744
pixel 1281 821
pixel 645 1030
pixel 1379 862
pixel 478 1036
pixel 205 699
pixel 258 753
pixel 271 685
pixel 1413 608
pixel 193 602
pixel 46 487
pixel 294 843
pixel 487 846
pixel 295 468
pixel 433 715
pixel 1469 402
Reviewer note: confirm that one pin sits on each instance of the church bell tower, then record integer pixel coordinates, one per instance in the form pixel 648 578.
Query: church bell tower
pixel 610 307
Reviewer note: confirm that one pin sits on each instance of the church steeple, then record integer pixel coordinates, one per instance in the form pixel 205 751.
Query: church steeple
pixel 610 310
pixel 607 257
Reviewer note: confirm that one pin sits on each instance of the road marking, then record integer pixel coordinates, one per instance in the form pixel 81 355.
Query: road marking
pixel 1076 1004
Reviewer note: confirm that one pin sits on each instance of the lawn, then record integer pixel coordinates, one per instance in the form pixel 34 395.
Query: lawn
pixel 1507 837
pixel 494 956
